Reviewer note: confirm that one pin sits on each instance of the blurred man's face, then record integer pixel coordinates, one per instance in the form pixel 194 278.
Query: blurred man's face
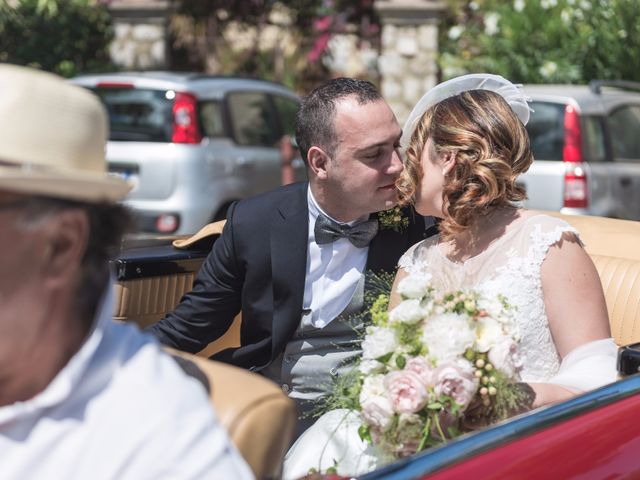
pixel 20 254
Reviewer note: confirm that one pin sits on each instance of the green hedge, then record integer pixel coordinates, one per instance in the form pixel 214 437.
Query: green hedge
pixel 62 36
pixel 543 41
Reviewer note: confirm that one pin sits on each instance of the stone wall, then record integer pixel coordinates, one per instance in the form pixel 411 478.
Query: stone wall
pixel 407 62
pixel 141 33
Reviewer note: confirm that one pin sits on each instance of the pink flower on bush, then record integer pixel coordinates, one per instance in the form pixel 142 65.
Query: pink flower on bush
pixel 406 390
pixel 377 412
pixel 456 379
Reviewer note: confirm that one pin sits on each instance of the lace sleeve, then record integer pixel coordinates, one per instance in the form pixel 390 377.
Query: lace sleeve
pixel 414 260
pixel 406 260
pixel 545 233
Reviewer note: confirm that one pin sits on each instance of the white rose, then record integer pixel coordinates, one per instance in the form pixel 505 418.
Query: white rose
pixel 377 412
pixel 505 357
pixel 408 311
pixel 370 366
pixel 378 342
pixel 488 333
pixel 493 305
pixel 373 386
pixel 447 336
pixel 414 286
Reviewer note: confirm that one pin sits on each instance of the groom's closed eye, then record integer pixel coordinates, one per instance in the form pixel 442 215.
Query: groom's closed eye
pixel 372 154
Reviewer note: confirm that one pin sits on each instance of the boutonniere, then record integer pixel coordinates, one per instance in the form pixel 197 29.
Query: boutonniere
pixel 393 219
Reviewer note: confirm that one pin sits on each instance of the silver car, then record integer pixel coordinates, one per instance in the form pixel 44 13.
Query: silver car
pixel 191 143
pixel 586 145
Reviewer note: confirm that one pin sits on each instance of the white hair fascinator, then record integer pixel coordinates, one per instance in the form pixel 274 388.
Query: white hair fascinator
pixel 475 81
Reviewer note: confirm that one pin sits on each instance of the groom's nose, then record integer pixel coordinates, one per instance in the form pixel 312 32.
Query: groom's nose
pixel 395 164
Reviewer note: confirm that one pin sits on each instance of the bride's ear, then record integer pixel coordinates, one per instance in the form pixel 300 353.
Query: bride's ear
pixel 448 162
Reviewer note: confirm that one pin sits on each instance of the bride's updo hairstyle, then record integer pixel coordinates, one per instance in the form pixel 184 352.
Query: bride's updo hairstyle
pixel 491 147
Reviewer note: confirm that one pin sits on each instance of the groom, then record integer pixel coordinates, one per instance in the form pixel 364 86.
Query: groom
pixel 293 260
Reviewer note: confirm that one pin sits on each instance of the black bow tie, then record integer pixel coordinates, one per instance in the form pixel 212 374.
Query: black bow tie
pixel 327 231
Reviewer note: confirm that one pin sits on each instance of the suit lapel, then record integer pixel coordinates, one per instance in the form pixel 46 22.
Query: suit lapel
pixel 289 236
pixel 388 246
pixel 385 250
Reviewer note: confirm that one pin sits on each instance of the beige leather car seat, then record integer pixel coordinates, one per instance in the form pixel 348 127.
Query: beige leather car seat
pixel 258 416
pixel 613 247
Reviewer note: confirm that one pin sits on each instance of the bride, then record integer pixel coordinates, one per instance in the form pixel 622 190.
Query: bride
pixel 465 146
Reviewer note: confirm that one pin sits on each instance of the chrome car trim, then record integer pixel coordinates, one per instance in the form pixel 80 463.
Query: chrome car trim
pixel 475 443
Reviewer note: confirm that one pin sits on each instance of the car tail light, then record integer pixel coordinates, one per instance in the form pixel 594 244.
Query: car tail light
pixel 575 177
pixel 167 223
pixel 185 119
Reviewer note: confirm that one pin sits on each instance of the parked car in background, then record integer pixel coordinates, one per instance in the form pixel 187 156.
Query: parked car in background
pixel 586 145
pixel 192 144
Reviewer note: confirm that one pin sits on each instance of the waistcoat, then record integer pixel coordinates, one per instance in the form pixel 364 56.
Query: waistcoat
pixel 315 357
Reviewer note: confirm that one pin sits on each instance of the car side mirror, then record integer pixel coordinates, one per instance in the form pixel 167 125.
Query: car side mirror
pixel 629 359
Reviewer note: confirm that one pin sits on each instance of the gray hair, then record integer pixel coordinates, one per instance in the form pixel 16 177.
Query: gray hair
pixel 107 225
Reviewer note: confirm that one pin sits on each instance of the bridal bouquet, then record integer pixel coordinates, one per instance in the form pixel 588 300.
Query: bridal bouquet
pixel 434 365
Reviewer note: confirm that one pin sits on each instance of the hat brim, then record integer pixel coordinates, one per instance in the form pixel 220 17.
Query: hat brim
pixel 85 187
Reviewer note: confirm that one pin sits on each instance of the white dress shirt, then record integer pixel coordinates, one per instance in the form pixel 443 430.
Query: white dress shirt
pixel 120 409
pixel 333 271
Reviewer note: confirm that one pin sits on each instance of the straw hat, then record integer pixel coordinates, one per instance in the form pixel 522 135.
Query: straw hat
pixel 52 138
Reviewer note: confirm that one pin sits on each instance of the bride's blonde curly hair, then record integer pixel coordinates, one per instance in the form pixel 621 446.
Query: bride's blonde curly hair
pixel 491 149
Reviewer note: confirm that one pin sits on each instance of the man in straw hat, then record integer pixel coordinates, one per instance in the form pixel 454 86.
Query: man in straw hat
pixel 80 396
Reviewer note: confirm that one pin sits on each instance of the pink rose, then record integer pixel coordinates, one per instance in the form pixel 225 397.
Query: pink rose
pixel 456 379
pixel 422 367
pixel 377 412
pixel 406 390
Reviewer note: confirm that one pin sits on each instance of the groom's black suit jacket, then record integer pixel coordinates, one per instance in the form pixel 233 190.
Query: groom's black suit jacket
pixel 258 266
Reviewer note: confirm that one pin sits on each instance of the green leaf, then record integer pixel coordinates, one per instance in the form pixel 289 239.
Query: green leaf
pixel 364 433
pixel 401 362
pixel 385 358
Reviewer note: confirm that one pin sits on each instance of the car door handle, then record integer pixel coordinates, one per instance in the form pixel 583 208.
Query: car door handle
pixel 625 181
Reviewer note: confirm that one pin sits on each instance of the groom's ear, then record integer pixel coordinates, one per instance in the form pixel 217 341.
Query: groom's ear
pixel 317 160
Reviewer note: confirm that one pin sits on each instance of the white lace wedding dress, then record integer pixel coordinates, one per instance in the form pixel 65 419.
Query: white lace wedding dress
pixel 511 267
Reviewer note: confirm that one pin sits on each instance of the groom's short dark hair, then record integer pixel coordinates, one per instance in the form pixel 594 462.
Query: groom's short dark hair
pixel 314 120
